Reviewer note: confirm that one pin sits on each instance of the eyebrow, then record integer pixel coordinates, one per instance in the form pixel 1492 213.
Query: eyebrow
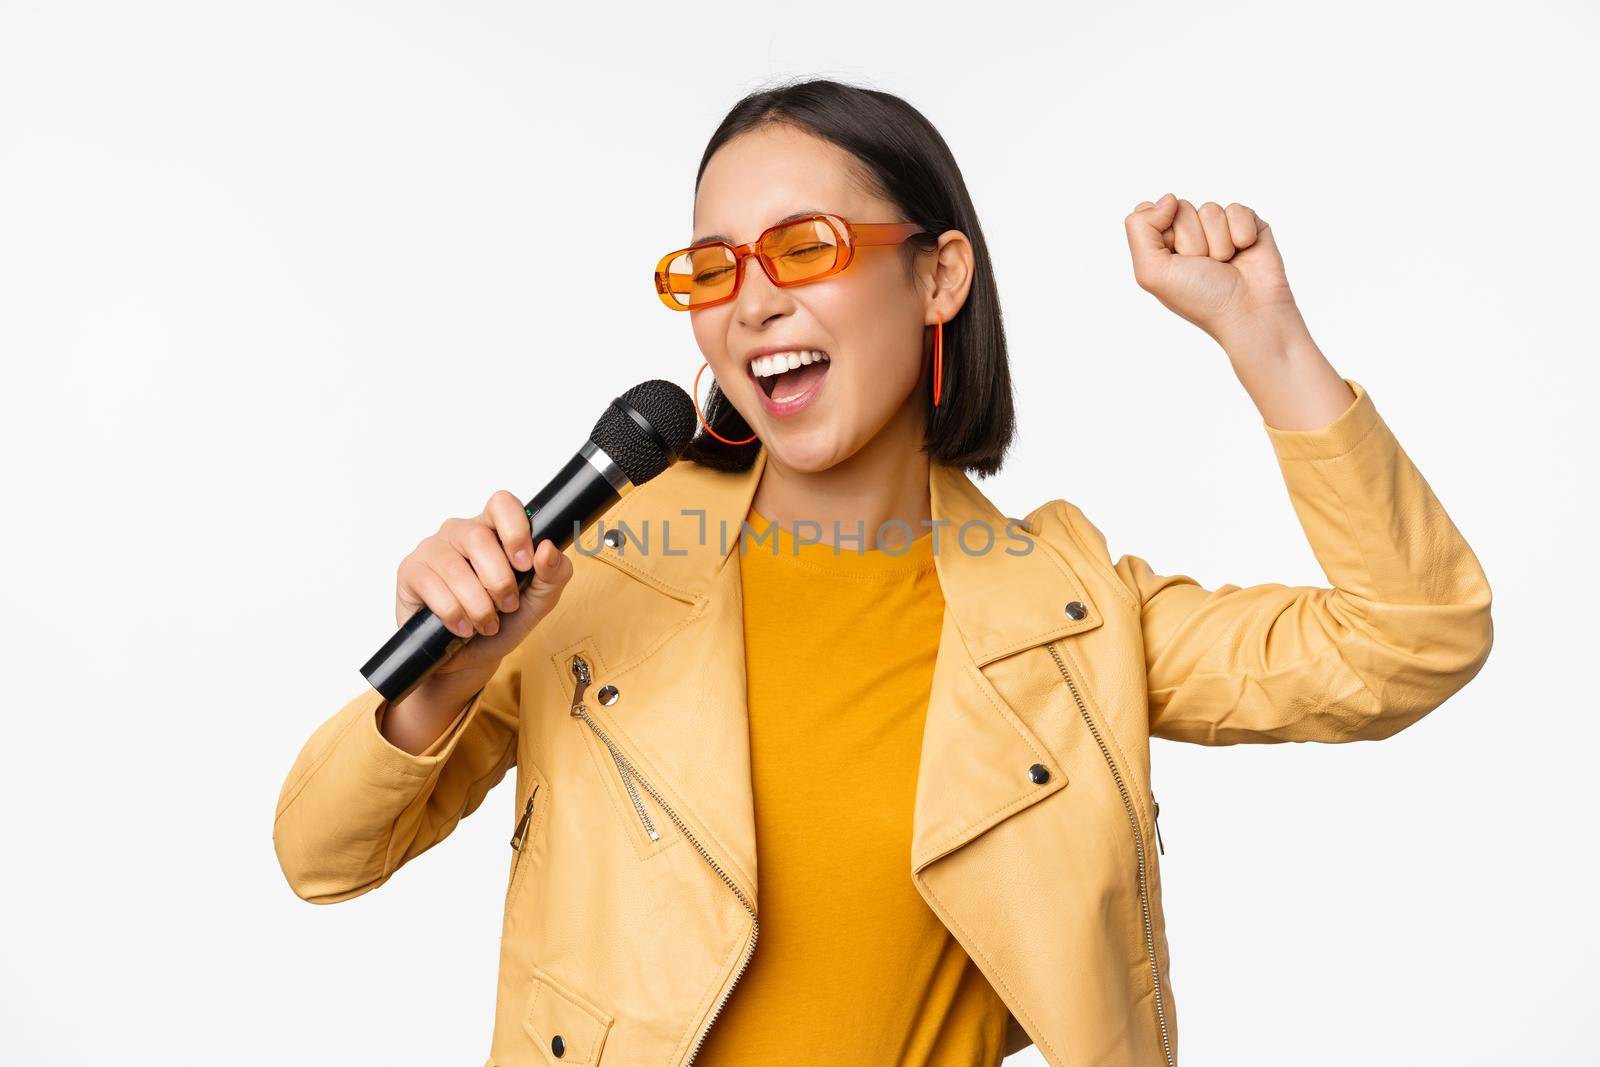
pixel 723 237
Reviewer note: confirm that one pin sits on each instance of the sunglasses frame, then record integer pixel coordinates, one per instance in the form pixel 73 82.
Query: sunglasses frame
pixel 850 236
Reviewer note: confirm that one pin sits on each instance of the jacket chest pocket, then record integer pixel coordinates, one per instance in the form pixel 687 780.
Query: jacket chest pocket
pixel 565 1027
pixel 643 820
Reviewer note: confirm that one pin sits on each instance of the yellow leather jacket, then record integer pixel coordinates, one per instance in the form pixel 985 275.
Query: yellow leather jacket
pixel 630 913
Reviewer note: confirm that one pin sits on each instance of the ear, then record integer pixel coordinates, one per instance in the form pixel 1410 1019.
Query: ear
pixel 946 275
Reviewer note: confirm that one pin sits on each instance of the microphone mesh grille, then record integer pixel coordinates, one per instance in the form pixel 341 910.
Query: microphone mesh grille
pixel 668 410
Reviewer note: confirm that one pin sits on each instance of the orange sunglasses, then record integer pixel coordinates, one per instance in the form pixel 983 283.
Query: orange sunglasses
pixel 791 253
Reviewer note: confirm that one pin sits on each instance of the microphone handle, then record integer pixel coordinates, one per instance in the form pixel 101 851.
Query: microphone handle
pixel 588 485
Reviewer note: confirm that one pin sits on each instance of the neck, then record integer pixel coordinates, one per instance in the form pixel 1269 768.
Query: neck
pixel 886 480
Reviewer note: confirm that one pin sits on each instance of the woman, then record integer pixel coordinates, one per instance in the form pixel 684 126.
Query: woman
pixel 928 720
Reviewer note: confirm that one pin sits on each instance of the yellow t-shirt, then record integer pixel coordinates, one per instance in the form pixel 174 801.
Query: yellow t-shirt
pixel 851 966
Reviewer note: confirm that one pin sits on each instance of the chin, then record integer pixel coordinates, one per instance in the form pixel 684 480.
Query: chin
pixel 807 452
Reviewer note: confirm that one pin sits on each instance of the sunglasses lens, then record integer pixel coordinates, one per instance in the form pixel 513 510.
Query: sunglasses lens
pixel 798 252
pixel 801 250
pixel 701 275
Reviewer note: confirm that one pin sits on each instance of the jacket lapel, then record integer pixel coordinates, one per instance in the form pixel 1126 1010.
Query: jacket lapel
pixel 977 751
pixel 1005 592
pixel 684 648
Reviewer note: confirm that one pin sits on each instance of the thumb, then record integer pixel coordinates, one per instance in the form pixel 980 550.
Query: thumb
pixel 1145 226
pixel 552 570
pixel 1264 235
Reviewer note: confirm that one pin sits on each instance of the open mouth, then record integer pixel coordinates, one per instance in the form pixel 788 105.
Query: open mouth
pixel 786 375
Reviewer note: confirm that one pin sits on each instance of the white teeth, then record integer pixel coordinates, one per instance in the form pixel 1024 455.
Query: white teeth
pixel 778 362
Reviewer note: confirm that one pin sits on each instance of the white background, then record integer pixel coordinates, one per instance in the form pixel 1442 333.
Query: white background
pixel 284 285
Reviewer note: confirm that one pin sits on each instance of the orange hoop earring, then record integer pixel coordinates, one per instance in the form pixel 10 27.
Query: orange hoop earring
pixel 938 358
pixel 694 394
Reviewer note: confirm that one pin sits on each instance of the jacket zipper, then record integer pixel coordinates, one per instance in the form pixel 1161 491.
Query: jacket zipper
pixel 1155 815
pixel 1138 844
pixel 633 794
pixel 521 831
pixel 519 838
pixel 582 676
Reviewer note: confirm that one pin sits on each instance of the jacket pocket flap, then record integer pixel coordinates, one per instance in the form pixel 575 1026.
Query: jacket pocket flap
pixel 567 1028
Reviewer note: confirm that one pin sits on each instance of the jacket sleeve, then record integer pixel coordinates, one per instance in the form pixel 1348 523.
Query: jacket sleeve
pixel 355 807
pixel 1405 624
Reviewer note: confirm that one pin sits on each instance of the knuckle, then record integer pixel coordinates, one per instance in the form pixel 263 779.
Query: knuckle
pixel 441 603
pixel 451 565
pixel 480 536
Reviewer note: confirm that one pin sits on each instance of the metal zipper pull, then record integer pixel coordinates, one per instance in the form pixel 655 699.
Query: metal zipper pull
pixel 580 669
pixel 580 672
pixel 522 823
pixel 1156 809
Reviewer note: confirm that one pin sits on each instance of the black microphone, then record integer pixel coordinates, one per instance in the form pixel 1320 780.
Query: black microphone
pixel 641 433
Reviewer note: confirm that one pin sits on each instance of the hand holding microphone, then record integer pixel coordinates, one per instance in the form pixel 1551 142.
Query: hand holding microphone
pixel 465 574
pixel 470 577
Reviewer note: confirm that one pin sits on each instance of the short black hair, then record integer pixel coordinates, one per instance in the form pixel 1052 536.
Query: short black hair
pixel 909 162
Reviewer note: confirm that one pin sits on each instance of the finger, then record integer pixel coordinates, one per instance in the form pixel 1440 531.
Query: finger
pixel 416 575
pixel 1144 227
pixel 1189 237
pixel 551 569
pixel 481 545
pixel 449 564
pixel 510 521
pixel 1145 224
pixel 1241 226
pixel 1215 224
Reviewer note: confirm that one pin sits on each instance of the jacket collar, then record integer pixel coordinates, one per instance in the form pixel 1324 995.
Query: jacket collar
pixel 681 539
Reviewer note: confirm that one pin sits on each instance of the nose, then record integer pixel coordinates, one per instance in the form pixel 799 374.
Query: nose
pixel 759 301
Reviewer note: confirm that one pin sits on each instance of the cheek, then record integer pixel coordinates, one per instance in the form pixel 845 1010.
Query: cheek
pixel 711 336
pixel 878 329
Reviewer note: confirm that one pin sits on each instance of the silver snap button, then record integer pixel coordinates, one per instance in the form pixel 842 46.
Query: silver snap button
pixel 612 538
pixel 608 695
pixel 1076 610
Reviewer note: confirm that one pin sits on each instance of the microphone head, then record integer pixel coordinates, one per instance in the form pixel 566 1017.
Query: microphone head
pixel 646 429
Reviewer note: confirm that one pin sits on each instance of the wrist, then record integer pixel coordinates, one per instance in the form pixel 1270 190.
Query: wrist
pixel 415 723
pixel 1271 335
